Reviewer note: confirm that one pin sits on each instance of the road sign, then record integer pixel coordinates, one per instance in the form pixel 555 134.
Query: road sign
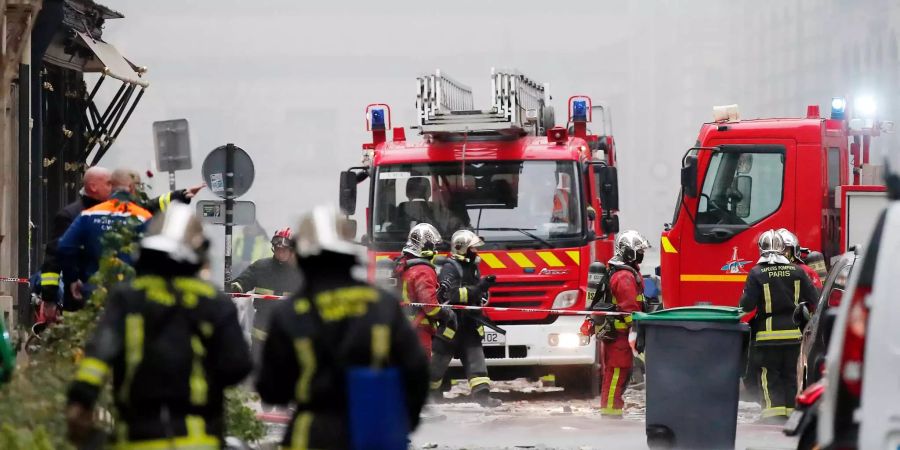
pixel 213 212
pixel 214 172
pixel 173 147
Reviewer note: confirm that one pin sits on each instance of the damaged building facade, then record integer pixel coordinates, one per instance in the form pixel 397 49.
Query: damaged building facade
pixel 55 126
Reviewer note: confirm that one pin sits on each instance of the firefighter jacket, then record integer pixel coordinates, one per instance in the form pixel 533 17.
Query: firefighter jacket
pixel 627 288
pixel 159 204
pixel 81 246
pixel 268 277
pixel 419 284
pixel 773 291
pixel 459 283
pixel 332 325
pixel 171 345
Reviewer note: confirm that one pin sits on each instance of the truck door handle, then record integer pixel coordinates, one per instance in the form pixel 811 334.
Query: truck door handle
pixel 719 233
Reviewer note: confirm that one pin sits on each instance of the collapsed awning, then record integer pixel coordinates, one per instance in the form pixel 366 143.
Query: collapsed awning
pixel 108 61
pixel 103 128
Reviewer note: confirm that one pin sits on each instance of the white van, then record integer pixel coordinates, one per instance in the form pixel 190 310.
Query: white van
pixel 861 404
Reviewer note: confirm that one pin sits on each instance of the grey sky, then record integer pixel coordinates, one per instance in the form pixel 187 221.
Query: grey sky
pixel 289 80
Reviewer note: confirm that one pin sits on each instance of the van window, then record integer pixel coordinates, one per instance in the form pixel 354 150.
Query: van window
pixel 834 172
pixel 741 187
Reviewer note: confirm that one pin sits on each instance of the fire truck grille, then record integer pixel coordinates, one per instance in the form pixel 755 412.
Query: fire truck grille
pixel 518 294
pixel 514 304
pixel 515 351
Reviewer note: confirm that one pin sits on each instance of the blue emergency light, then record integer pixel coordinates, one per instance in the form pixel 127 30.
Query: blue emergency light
pixel 579 110
pixel 377 119
pixel 838 107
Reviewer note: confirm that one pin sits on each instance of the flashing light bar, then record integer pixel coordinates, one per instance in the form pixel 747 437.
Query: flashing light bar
pixel 580 108
pixel 838 108
pixel 378 117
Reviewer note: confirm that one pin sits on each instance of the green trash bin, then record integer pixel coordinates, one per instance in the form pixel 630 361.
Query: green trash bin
pixel 694 358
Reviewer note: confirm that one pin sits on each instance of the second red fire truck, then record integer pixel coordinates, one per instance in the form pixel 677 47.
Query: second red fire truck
pixel 810 175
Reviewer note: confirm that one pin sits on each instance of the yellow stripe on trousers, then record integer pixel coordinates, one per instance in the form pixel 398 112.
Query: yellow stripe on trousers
pixel 613 387
pixel 300 434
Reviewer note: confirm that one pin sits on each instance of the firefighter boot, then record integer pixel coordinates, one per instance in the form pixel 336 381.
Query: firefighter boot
pixel 483 398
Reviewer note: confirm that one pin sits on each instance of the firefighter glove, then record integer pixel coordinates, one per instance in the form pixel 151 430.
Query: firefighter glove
pixel 80 423
pixel 801 315
pixel 587 327
pixel 485 283
pixel 448 319
pixel 50 294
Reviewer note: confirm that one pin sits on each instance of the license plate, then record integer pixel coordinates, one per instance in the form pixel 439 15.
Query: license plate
pixel 493 338
pixel 793 422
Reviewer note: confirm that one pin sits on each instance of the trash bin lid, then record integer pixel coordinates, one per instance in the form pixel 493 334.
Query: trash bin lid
pixel 727 314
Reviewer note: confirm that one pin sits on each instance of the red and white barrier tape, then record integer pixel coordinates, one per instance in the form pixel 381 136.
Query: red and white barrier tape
pixel 14 280
pixel 562 312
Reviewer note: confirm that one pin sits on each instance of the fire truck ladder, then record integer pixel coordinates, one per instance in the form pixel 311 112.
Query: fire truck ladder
pixel 446 106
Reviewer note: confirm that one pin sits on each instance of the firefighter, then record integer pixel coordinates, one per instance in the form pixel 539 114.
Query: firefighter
pixel 277 276
pixel 419 284
pixel 252 244
pixel 460 283
pixel 773 290
pixel 80 247
pixel 332 326
pixel 627 295
pixel 792 251
pixel 171 344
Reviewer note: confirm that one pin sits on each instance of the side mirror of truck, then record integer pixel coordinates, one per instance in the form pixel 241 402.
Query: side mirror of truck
pixel 609 224
pixel 608 184
pixel 744 185
pixel 347 196
pixel 689 176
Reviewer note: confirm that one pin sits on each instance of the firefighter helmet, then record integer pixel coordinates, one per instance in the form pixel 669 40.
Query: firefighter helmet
pixel 324 230
pixel 791 243
pixel 462 241
pixel 629 244
pixel 422 238
pixel 283 238
pixel 771 248
pixel 177 233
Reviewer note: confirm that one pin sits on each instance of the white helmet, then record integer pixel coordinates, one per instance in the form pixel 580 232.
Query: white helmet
pixel 423 237
pixel 324 230
pixel 790 242
pixel 462 241
pixel 178 233
pixel 771 248
pixel 628 244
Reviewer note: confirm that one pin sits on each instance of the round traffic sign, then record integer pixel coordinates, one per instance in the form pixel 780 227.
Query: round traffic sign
pixel 214 171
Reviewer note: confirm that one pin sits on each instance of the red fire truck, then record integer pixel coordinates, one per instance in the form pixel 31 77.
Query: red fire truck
pixel 810 175
pixel 543 197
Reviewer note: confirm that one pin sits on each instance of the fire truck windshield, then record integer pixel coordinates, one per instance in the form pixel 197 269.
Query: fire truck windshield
pixel 506 202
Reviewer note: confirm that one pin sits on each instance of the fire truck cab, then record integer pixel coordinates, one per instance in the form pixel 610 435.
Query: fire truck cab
pixel 747 176
pixel 543 198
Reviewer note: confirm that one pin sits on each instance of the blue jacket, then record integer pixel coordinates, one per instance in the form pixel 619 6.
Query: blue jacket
pixel 80 247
